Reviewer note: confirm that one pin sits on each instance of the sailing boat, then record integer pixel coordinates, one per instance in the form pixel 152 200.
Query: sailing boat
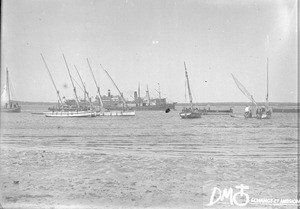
pixel 248 110
pixel 7 105
pixel 102 110
pixel 66 112
pixel 126 111
pixel 265 112
pixel 191 112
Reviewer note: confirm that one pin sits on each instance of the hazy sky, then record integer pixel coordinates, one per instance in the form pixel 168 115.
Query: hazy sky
pixel 147 42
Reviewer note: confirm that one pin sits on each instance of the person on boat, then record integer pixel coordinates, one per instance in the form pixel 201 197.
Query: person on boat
pixel 259 112
pixel 248 112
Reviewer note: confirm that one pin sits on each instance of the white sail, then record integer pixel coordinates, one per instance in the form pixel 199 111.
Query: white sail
pixel 243 90
pixel 5 96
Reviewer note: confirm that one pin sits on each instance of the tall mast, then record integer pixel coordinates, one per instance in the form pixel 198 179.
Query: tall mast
pixel 148 95
pixel 78 84
pixel 85 91
pixel 139 95
pixel 57 92
pixel 267 97
pixel 74 89
pixel 159 93
pixel 98 89
pixel 188 84
pixel 123 100
pixel 7 86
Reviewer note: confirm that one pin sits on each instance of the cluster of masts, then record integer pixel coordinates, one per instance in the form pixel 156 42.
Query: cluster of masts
pixel 88 109
pixel 86 94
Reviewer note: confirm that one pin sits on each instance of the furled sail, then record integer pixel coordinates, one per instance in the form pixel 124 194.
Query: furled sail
pixel 243 90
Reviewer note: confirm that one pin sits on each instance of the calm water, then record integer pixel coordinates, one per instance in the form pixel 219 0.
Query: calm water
pixel 156 132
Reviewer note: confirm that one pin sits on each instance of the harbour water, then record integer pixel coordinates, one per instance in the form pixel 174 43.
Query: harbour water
pixel 152 160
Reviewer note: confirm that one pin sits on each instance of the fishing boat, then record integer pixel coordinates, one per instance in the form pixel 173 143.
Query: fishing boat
pixel 70 114
pixel 116 113
pixel 102 111
pixel 265 112
pixel 63 110
pixel 7 105
pixel 126 111
pixel 249 109
pixel 190 112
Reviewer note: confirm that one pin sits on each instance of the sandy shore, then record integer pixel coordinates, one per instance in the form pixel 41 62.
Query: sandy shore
pixel 74 179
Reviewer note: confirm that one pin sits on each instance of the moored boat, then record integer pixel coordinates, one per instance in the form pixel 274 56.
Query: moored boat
pixel 116 113
pixel 68 111
pixel 125 111
pixel 265 112
pixel 7 105
pixel 191 112
pixel 249 113
pixel 70 114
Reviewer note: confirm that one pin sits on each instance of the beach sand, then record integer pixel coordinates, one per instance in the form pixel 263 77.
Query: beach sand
pixel 57 178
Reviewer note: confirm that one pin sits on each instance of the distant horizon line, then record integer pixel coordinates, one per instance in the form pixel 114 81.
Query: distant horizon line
pixel 197 103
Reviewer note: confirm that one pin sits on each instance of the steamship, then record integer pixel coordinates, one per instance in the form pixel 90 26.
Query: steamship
pixel 113 102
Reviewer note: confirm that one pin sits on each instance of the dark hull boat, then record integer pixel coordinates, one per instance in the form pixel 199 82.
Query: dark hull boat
pixel 112 102
pixel 160 107
pixel 12 110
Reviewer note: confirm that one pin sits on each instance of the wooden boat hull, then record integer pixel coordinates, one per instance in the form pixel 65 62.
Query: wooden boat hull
pixel 190 115
pixel 264 116
pixel 71 114
pixel 11 110
pixel 116 113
